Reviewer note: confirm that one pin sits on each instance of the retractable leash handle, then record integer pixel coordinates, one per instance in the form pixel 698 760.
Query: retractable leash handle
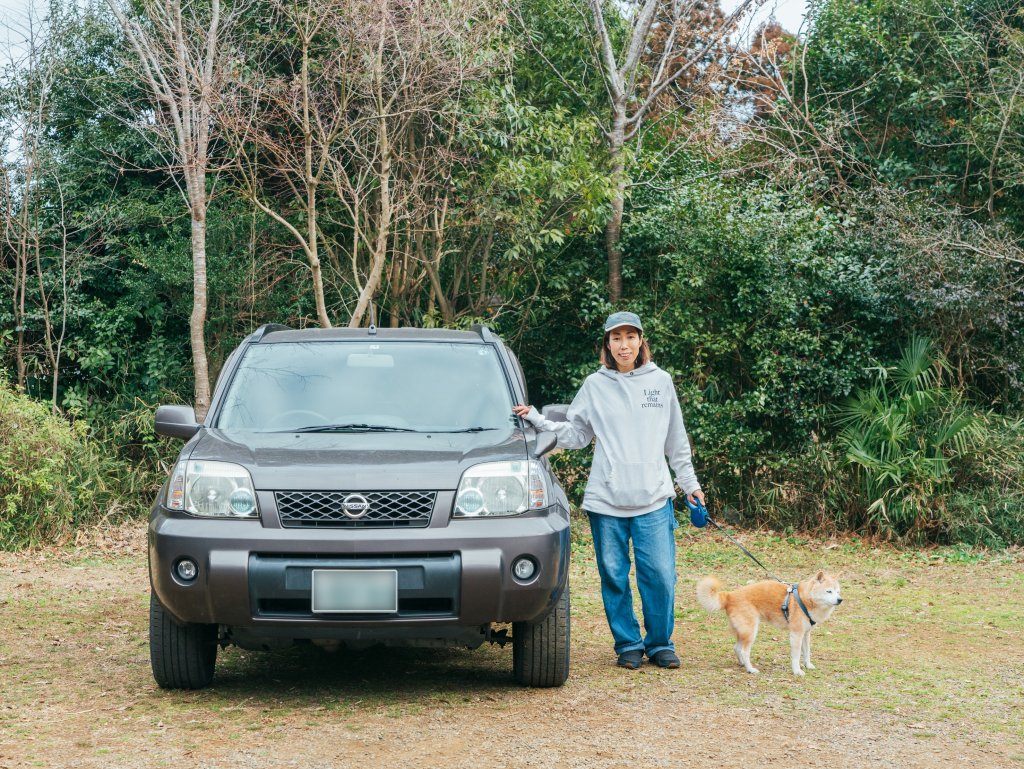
pixel 698 513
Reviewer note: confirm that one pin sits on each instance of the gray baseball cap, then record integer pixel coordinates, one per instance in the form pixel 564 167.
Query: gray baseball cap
pixel 617 319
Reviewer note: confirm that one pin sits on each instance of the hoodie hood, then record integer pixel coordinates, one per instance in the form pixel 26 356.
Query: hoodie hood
pixel 644 370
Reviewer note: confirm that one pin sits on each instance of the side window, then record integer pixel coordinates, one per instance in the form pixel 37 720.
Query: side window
pixel 519 374
pixel 221 376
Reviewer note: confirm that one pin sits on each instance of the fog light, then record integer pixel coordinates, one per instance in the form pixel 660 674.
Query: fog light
pixel 523 569
pixel 187 569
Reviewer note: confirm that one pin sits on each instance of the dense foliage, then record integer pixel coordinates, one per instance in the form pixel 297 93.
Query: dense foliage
pixel 784 257
pixel 53 476
pixel 928 93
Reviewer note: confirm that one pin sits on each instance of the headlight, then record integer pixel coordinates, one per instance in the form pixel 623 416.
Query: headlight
pixel 501 488
pixel 212 489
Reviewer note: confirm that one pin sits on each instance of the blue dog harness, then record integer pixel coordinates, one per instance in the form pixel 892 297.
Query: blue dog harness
pixel 794 590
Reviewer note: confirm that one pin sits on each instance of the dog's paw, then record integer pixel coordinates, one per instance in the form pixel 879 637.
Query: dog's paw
pixel 809 666
pixel 798 672
pixel 752 669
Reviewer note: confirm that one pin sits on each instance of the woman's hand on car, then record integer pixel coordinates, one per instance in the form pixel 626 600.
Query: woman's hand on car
pixel 521 410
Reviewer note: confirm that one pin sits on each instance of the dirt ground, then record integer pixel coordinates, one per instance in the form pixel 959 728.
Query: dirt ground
pixel 929 678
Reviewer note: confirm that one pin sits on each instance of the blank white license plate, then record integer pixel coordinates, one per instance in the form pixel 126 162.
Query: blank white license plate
pixel 356 591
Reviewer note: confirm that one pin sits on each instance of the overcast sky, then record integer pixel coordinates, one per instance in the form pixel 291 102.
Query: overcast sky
pixel 789 13
pixel 14 11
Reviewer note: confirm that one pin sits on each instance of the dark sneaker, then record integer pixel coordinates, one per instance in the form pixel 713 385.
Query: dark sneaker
pixel 631 659
pixel 666 658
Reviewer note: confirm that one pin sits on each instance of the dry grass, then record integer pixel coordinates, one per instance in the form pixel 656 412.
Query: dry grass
pixel 921 666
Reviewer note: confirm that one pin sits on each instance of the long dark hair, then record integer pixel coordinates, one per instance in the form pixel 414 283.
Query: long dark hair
pixel 608 360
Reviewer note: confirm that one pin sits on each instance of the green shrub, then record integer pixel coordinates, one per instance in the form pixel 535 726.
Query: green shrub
pixel 53 478
pixel 906 437
pixel 987 505
pixel 986 517
pixel 801 490
pixel 141 456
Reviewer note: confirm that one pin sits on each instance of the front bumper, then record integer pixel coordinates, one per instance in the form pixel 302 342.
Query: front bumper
pixel 452 575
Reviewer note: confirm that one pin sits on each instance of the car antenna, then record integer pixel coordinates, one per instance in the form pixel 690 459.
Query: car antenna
pixel 372 330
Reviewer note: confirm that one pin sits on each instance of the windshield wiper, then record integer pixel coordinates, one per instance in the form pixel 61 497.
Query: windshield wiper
pixel 466 430
pixel 351 427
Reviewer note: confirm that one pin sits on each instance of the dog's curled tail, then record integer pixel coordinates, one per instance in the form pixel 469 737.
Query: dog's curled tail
pixel 710 594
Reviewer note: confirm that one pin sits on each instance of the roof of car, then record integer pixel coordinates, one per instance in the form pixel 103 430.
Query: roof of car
pixel 276 334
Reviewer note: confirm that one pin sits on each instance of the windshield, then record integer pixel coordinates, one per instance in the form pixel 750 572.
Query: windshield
pixel 368 387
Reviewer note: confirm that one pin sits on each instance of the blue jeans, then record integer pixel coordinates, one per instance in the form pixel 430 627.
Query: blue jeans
pixel 654 546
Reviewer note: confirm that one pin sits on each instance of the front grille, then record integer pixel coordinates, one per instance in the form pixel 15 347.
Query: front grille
pixel 385 509
pixel 407 607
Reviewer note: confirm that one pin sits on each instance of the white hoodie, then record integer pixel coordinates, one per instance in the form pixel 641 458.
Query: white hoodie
pixel 637 421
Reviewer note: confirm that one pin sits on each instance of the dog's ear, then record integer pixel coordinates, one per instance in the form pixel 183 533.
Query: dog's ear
pixel 821 576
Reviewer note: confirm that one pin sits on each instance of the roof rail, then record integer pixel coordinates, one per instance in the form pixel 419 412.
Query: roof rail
pixel 484 332
pixel 268 328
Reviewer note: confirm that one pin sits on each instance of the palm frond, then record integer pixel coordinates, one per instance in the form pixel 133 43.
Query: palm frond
pixel 905 435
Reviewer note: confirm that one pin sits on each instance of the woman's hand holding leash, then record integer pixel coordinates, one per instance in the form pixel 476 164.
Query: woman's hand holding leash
pixel 698 513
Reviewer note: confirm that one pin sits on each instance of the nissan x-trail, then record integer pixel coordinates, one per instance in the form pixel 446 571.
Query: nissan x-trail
pixel 354 487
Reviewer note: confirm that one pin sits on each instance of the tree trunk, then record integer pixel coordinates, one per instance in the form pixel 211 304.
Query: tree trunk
pixel 380 247
pixel 483 300
pixel 396 295
pixel 314 259
pixel 431 265
pixel 48 336
pixel 311 185
pixel 20 279
pixel 613 230
pixel 197 321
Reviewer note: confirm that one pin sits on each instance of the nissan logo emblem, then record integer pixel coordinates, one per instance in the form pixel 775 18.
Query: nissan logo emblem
pixel 355 505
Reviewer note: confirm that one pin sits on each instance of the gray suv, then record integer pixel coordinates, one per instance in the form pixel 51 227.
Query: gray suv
pixel 352 487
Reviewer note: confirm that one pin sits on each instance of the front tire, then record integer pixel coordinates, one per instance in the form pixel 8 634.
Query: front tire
pixel 182 656
pixel 540 651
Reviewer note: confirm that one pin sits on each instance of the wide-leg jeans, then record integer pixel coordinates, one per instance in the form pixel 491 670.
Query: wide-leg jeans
pixel 654 548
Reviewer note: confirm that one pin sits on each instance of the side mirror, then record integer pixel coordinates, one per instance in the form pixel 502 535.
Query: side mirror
pixel 546 441
pixel 557 412
pixel 176 421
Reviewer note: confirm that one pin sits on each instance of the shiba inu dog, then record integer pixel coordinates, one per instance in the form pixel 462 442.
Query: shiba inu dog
pixel 806 604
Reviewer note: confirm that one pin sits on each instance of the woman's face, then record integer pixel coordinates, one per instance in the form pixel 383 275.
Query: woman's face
pixel 624 342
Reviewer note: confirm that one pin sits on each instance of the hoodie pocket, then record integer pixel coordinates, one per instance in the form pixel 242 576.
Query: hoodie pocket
pixel 636 484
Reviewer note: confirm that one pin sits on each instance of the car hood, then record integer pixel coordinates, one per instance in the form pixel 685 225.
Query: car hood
pixel 357 461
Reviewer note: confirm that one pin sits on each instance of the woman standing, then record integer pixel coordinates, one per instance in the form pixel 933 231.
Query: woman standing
pixel 630 406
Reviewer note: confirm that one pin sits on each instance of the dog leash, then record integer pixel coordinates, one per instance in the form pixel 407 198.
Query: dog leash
pixel 699 517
